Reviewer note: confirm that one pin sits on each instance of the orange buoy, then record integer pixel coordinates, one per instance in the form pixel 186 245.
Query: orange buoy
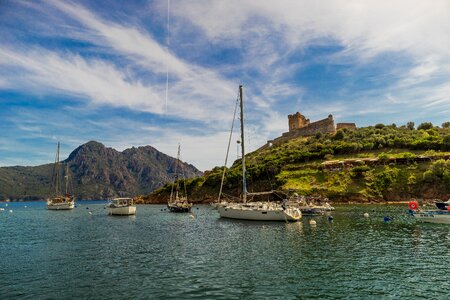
pixel 413 205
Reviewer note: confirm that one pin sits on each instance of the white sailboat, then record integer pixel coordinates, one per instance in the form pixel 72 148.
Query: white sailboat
pixel 255 211
pixel 60 201
pixel 177 201
pixel 121 207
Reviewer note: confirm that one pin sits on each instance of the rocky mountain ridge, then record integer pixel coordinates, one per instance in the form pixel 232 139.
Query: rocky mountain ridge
pixel 96 172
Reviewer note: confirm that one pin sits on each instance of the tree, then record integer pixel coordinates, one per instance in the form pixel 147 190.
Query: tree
pixel 425 125
pixel 446 125
pixel 339 135
pixel 410 125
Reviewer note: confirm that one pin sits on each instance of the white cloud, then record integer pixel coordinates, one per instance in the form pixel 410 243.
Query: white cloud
pixel 369 27
pixel 96 80
pixel 418 30
pixel 204 89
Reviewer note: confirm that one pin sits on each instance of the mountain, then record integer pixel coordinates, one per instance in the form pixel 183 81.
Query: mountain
pixel 375 163
pixel 97 172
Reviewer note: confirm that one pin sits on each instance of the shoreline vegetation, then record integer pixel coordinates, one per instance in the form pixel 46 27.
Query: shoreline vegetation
pixel 375 164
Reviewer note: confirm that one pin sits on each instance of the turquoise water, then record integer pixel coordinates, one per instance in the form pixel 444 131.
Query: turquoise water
pixel 158 255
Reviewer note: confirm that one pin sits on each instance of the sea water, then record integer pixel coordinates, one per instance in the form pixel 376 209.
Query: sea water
pixel 84 253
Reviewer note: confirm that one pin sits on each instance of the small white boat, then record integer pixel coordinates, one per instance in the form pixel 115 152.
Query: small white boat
pixel 433 216
pixel 309 208
pixel 121 207
pixel 429 216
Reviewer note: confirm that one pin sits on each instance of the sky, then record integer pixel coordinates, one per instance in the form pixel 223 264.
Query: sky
pixel 163 73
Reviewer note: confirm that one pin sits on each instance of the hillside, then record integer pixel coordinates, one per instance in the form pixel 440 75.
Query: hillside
pixel 376 163
pixel 97 172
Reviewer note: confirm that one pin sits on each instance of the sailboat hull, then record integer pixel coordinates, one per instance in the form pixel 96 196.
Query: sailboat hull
pixel 61 206
pixel 240 212
pixel 174 208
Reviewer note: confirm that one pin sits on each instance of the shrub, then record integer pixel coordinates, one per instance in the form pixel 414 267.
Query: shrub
pixel 340 135
pixel 410 125
pixel 425 125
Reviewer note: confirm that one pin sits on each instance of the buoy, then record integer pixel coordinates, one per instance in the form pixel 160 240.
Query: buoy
pixel 90 213
pixel 312 222
pixel 413 205
pixel 387 219
pixel 10 210
pixel 2 209
pixel 25 206
pixel 366 215
pixel 330 218
pixel 87 207
pixel 6 205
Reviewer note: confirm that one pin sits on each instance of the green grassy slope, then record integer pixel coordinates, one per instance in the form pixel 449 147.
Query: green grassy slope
pixel 376 163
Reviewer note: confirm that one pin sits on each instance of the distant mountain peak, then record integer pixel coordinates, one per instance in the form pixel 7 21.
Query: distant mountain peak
pixel 100 172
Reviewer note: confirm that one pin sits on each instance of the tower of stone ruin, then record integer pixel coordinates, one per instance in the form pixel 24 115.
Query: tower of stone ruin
pixel 297 121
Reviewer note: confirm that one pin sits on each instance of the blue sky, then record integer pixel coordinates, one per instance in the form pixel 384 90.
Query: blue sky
pixel 74 71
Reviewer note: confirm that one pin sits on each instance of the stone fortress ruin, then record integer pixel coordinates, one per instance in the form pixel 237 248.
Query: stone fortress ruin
pixel 300 126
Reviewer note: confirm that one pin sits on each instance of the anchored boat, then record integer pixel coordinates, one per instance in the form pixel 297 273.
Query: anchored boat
pixel 60 201
pixel 178 201
pixel 121 207
pixel 255 211
pixel 441 216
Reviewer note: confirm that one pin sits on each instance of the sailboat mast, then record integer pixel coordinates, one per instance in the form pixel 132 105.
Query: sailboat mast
pixel 67 178
pixel 244 183
pixel 178 165
pixel 57 171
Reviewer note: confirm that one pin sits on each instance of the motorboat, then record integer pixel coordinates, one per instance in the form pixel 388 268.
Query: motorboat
pixel 440 216
pixel 121 207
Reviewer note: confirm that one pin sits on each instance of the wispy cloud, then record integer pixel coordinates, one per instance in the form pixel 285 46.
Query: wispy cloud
pixel 96 80
pixel 364 61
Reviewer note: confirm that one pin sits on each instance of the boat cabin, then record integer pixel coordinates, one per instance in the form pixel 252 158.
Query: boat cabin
pixel 118 202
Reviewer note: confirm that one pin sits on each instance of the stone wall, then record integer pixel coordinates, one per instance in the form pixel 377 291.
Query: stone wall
pixel 350 126
pixel 299 126
pixel 297 121
pixel 323 126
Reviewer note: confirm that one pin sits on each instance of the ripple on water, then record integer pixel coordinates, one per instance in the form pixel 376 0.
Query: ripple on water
pixel 156 254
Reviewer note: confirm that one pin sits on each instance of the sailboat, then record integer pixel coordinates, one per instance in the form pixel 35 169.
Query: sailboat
pixel 177 201
pixel 256 211
pixel 60 201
